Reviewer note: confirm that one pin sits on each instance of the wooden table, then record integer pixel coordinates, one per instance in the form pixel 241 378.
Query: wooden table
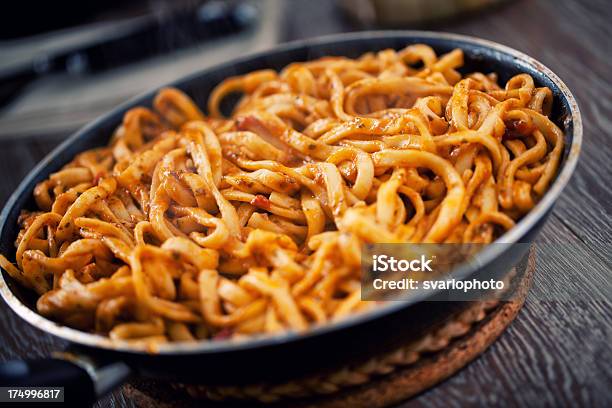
pixel 557 353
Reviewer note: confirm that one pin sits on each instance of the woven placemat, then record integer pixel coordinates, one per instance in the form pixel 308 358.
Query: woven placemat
pixel 381 381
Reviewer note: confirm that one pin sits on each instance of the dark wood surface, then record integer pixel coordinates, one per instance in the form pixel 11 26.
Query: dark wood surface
pixel 557 352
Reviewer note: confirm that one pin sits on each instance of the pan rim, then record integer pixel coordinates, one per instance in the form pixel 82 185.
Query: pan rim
pixel 221 346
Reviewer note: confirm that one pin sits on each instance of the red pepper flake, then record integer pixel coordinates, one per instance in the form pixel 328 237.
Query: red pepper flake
pixel 223 334
pixel 247 122
pixel 97 178
pixel 517 128
pixel 261 202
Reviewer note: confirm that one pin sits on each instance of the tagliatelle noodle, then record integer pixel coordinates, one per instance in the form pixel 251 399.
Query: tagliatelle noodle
pixel 192 226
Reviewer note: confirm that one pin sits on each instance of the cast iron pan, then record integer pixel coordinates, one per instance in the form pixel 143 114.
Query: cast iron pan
pixel 95 364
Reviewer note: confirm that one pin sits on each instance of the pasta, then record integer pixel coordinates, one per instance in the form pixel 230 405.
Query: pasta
pixel 190 226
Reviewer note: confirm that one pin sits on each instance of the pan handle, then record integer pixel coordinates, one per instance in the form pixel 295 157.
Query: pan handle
pixel 83 380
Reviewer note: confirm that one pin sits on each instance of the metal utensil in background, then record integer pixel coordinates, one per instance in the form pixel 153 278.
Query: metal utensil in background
pixel 407 13
pixel 147 36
